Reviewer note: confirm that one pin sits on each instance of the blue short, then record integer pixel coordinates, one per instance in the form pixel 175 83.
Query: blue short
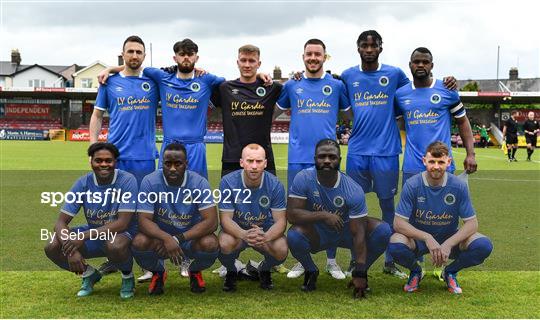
pixel 374 173
pixel 292 171
pixel 139 168
pixel 330 239
pixel 96 248
pixel 196 156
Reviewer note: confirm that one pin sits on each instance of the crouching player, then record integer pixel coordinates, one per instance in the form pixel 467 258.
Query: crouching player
pixel 427 218
pixel 109 228
pixel 180 224
pixel 252 212
pixel 327 209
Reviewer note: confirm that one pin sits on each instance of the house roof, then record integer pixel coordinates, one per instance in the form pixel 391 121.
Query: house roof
pixel 89 66
pixel 37 66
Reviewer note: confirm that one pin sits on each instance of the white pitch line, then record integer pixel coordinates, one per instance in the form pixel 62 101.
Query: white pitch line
pixel 501 179
pixel 490 157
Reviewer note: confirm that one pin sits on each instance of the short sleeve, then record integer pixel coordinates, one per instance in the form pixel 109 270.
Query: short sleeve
pixel 129 184
pixel 102 99
pixel 466 210
pixel 279 201
pixel 344 104
pixel 146 188
pixel 357 206
pixel 405 205
pixel 299 186
pixel 402 78
pixel 284 102
pixel 72 208
pixel 225 202
pixel 154 73
pixel 207 199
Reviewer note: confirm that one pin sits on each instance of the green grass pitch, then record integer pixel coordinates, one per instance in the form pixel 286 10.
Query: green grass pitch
pixel 505 196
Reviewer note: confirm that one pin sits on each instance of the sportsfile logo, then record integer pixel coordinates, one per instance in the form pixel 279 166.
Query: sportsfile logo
pixel 110 195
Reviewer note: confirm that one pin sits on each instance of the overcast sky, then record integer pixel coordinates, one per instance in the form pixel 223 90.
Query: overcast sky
pixel 463 35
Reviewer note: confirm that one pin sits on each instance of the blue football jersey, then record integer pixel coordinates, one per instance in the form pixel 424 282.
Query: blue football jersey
pixel 427 113
pixel 184 104
pixel 346 198
pixel 176 209
pixel 251 206
pixel 100 202
pixel 314 105
pixel 131 103
pixel 435 210
pixel 371 96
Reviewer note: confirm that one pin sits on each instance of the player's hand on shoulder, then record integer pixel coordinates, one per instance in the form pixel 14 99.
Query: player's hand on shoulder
pixel 199 72
pixel 173 69
pixel 76 262
pixel 359 286
pixel 266 78
pixel 297 76
pixel 450 83
pixel 103 75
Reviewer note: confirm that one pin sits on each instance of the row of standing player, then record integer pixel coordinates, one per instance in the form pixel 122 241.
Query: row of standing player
pixel 131 97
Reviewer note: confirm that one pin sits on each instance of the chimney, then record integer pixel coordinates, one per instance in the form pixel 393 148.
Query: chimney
pixel 15 57
pixel 513 74
pixel 120 60
pixel 277 73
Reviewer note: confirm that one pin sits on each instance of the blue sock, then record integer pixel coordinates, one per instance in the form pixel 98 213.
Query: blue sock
pixel 203 260
pixel 377 242
pixel 149 260
pixel 125 265
pixel 269 262
pixel 388 211
pixel 300 249
pixel 404 256
pixel 475 254
pixel 227 260
pixel 331 253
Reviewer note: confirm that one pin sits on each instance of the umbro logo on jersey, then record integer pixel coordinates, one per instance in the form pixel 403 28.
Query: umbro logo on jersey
pixel 327 90
pixel 383 81
pixel 316 193
pixel 299 90
pixel 421 199
pixel 145 86
pixel 195 87
pixel 407 102
pixel 356 84
pixel 435 98
pixel 118 89
pixel 235 91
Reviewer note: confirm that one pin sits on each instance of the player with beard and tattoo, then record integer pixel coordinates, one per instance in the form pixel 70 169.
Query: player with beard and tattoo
pixel 247 106
pixel 328 209
pixel 314 101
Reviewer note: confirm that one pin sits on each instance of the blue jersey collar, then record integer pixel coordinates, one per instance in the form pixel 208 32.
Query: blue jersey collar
pixel 113 180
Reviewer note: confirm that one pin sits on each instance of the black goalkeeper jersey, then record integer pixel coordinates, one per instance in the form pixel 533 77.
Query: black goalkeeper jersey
pixel 247 110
